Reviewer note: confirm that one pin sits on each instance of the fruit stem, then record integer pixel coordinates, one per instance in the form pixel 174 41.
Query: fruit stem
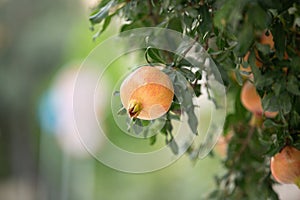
pixel 256 120
pixel 134 108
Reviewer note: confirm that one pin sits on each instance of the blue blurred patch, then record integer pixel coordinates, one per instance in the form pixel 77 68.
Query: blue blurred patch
pixel 47 113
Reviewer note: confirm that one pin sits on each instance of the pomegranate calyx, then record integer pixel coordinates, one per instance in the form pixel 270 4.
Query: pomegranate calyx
pixel 134 108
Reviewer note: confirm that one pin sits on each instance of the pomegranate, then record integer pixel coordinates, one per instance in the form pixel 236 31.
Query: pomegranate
pixel 285 166
pixel 252 102
pixel 222 145
pixel 147 93
pixel 265 40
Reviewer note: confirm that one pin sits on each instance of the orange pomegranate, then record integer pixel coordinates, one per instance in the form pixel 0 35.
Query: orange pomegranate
pixel 222 145
pixel 265 40
pixel 147 93
pixel 252 101
pixel 285 166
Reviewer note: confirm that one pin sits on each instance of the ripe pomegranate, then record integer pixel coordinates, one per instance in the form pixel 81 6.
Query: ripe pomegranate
pixel 265 40
pixel 252 102
pixel 285 166
pixel 222 145
pixel 147 93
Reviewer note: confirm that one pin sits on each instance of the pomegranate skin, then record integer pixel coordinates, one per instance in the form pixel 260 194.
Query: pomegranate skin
pixel 147 93
pixel 222 145
pixel 285 166
pixel 252 102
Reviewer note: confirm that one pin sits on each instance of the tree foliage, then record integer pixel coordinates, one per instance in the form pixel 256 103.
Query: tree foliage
pixel 231 32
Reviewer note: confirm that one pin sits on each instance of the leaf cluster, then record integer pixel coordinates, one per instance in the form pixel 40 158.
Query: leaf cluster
pixel 230 31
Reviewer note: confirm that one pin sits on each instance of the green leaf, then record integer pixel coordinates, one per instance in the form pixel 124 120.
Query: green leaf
pixel 198 74
pixel 187 73
pixel 263 81
pixel 154 54
pixel 122 111
pixel 181 82
pixel 167 129
pixel 258 17
pixel 206 23
pixel 245 40
pixel 279 39
pixel 268 123
pixel 152 140
pixel 281 63
pixel 181 51
pixel 285 102
pixel 101 14
pixel 175 24
pixel 277 87
pixel 103 3
pixel 260 80
pixel 173 145
pixel 263 48
pixel 192 121
pixel 187 20
pixel 293 85
pixel 116 93
pixel 295 119
pixel 255 70
pixel 106 23
pixel 238 76
pixel 270 4
pixel 274 148
pixel 133 25
pixel 270 103
pixel 230 118
pixel 240 111
pixel 197 90
pixel 137 126
pixel 183 62
pixel 103 28
pixel 174 116
pixel 166 4
pixel 220 43
pixel 295 64
pixel 228 14
pixel 184 93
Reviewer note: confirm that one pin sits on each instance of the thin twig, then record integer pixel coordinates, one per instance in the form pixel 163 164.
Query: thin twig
pixel 151 14
pixel 245 144
pixel 191 46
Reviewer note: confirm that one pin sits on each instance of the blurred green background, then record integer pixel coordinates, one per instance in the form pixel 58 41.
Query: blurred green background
pixel 38 41
pixel 42 44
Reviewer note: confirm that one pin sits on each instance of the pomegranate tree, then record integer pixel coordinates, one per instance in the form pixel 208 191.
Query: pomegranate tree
pixel 255 45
